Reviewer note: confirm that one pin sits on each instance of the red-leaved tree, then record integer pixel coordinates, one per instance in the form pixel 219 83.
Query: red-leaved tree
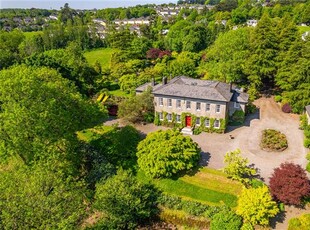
pixel 289 184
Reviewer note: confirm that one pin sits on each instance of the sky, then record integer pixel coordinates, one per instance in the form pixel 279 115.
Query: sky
pixel 77 4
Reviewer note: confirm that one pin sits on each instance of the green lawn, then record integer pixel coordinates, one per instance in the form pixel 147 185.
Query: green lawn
pixel 103 55
pixel 208 186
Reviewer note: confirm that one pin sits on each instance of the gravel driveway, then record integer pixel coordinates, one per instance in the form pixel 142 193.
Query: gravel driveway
pixel 247 138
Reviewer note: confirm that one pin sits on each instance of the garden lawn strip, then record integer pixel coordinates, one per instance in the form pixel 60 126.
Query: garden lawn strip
pixel 192 192
pixel 214 180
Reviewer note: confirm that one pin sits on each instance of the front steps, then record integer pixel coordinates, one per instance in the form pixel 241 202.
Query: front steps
pixel 187 130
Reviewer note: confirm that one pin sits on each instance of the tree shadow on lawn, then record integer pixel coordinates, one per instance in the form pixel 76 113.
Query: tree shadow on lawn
pixel 279 218
pixel 204 161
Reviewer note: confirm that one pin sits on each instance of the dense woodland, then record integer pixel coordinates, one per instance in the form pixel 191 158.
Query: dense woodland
pixel 59 167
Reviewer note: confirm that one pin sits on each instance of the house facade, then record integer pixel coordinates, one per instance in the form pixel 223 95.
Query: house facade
pixel 196 105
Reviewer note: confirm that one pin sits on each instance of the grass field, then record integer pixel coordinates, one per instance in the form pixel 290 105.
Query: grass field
pixel 207 185
pixel 102 55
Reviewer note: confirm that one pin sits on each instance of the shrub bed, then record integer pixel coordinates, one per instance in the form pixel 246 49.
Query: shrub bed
pixel 273 140
pixel 300 223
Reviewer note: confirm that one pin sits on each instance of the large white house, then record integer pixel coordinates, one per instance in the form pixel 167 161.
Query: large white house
pixel 195 104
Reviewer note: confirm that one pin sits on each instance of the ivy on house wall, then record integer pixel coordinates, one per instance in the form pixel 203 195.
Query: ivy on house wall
pixel 196 128
pixel 156 119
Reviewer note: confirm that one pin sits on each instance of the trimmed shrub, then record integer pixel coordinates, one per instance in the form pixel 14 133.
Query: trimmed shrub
pixel 238 116
pixel 286 108
pixel 273 140
pixel 278 98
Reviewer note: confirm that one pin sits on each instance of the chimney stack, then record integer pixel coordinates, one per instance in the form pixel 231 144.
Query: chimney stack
pixel 153 82
pixel 164 80
pixel 230 87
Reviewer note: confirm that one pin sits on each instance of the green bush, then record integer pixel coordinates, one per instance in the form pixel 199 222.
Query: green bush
pixel 181 219
pixel 308 167
pixel 171 202
pixel 247 226
pixel 251 108
pixel 238 116
pixel 278 98
pixel 307 143
pixel 226 220
pixel 193 208
pixel 256 183
pixel 273 140
pixel 300 223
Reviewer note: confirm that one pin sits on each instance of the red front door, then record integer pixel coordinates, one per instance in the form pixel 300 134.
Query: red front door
pixel 188 121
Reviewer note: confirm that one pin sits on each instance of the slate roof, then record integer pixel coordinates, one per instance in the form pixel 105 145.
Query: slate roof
pixel 194 88
pixel 240 96
pixel 308 109
pixel 144 87
pixel 198 89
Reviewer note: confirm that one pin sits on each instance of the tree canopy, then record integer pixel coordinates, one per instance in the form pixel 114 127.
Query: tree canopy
pixel 165 153
pixel 40 197
pixel 39 111
pixel 126 201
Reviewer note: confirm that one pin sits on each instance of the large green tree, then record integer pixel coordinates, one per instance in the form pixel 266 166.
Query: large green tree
pixel 261 65
pixel 165 153
pixel 225 59
pixel 125 201
pixel 137 108
pixel 293 76
pixel 70 63
pixel 39 112
pixel 40 197
pixel 9 42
